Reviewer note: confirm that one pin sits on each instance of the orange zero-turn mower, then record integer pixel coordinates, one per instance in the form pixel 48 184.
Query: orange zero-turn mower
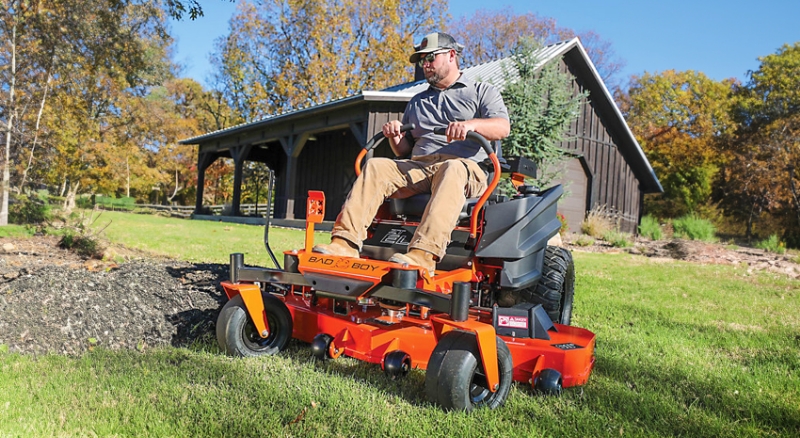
pixel 497 310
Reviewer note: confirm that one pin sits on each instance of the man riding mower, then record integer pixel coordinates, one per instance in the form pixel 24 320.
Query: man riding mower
pixel 454 324
pixel 456 279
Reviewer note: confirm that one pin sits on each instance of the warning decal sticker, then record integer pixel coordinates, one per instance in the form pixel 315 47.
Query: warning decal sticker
pixel 520 322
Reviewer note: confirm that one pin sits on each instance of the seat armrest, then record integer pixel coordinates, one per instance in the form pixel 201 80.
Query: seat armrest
pixel 522 166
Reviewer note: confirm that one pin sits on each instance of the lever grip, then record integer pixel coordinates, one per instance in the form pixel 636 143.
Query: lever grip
pixel 376 139
pixel 474 136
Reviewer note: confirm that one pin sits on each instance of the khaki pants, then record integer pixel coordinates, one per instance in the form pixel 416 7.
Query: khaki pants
pixel 450 181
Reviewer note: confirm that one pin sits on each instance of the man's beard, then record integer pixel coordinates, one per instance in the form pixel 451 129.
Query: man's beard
pixel 434 79
pixel 438 75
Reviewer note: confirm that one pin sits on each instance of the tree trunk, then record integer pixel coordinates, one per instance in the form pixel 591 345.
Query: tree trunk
pixel 755 210
pixel 69 202
pixel 11 109
pixel 36 132
pixel 127 177
pixel 177 187
pixel 795 196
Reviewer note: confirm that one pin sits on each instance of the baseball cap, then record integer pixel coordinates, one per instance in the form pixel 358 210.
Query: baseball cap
pixel 433 42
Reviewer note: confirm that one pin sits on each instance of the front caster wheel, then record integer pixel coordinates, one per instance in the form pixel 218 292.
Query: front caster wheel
pixel 320 346
pixel 455 379
pixel 548 382
pixel 396 364
pixel 237 335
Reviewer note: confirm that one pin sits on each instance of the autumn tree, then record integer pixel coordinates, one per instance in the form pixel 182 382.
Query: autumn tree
pixel 181 108
pixel 108 114
pixel 113 55
pixel 761 180
pixel 490 35
pixel 677 118
pixel 89 100
pixel 79 57
pixel 282 55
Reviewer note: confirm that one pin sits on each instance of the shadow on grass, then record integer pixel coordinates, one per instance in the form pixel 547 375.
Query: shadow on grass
pixel 197 330
pixel 410 388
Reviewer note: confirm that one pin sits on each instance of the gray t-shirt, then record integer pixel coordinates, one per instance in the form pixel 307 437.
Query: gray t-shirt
pixel 463 100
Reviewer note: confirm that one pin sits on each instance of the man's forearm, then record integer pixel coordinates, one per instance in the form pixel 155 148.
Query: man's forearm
pixel 496 128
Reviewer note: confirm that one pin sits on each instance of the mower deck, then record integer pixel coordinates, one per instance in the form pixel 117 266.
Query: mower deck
pixel 368 331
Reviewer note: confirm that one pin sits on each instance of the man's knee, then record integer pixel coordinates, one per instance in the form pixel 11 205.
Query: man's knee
pixel 379 165
pixel 453 170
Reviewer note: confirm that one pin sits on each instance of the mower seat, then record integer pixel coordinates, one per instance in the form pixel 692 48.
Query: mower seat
pixel 413 207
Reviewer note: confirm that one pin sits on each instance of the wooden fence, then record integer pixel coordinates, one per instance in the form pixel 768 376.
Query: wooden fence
pixel 253 210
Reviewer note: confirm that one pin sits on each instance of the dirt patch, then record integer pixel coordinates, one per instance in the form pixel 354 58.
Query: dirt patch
pixel 52 301
pixel 756 260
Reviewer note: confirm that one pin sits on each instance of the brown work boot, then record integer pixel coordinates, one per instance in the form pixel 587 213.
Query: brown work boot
pixel 337 247
pixel 417 257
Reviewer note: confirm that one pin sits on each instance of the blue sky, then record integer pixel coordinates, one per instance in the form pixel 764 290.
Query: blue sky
pixel 722 39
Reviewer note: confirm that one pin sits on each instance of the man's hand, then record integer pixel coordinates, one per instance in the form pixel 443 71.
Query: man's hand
pixel 458 130
pixel 495 128
pixel 391 130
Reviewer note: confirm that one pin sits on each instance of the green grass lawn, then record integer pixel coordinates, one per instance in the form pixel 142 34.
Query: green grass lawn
pixel 11 230
pixel 198 241
pixel 683 350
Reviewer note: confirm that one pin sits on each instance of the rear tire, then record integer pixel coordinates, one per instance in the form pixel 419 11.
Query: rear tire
pixel 555 290
pixel 455 379
pixel 238 336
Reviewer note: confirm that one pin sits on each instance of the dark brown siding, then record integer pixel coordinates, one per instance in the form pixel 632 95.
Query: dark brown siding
pixel 327 164
pixel 573 204
pixel 380 114
pixel 614 187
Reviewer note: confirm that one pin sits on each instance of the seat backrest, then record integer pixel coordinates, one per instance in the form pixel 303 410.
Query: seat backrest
pixel 414 206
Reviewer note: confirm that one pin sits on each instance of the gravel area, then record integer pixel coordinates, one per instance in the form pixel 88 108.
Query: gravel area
pixel 51 301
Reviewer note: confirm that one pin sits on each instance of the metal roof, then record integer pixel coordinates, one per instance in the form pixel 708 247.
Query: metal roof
pixel 268 119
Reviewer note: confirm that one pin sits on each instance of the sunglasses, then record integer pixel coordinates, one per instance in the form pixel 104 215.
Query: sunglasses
pixel 430 57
